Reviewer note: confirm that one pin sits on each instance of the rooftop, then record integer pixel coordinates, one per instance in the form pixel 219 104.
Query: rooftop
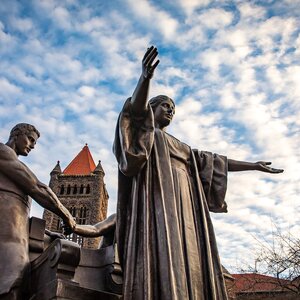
pixel 250 282
pixel 82 164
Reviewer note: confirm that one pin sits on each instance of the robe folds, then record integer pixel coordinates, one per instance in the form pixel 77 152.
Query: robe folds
pixel 165 236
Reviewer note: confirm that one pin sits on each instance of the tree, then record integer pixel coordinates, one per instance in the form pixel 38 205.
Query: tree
pixel 280 259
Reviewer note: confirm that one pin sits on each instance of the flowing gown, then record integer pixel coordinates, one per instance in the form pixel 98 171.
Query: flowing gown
pixel 165 237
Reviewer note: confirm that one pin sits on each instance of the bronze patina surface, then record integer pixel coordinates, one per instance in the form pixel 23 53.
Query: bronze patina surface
pixel 17 183
pixel 165 236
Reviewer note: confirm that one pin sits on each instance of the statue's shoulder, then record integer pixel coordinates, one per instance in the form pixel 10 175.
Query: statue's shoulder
pixel 3 149
pixel 6 153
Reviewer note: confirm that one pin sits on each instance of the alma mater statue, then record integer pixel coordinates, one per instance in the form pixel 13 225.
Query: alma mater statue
pixel 165 236
pixel 17 182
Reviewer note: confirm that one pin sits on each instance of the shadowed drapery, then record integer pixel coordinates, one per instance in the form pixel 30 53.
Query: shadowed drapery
pixel 165 236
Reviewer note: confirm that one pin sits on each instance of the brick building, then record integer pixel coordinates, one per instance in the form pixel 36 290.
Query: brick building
pixel 80 188
pixel 254 286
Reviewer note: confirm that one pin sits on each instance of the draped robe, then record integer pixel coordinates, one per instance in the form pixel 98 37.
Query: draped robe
pixel 165 236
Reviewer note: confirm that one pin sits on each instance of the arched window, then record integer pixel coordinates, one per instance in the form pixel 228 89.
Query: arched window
pixel 62 189
pixel 72 211
pixel 81 189
pixel 75 189
pixel 82 218
pixel 88 189
pixel 68 190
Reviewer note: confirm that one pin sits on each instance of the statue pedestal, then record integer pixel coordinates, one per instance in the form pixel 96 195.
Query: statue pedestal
pixel 100 270
pixel 66 271
pixel 61 290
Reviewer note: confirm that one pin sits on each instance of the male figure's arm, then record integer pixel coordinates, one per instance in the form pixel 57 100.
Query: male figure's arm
pixel 24 178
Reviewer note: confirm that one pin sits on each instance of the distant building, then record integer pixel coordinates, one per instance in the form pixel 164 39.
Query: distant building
pixel 81 189
pixel 254 286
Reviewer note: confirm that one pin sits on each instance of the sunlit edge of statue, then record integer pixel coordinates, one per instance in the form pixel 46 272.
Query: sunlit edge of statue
pixel 17 182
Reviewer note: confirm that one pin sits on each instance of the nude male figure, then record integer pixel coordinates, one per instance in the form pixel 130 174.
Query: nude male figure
pixel 17 183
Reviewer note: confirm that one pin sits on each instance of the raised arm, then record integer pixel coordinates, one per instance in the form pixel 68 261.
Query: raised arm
pixel 140 94
pixel 236 166
pixel 24 178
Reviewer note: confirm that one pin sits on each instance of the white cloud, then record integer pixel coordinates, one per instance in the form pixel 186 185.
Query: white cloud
pixel 87 91
pixel 227 97
pixel 189 6
pixel 251 12
pixel 94 24
pixel 6 40
pixel 8 89
pixel 45 4
pixel 22 25
pixel 62 17
pixel 192 36
pixel 293 81
pixel 63 63
pixel 213 59
pixel 155 17
pixel 215 18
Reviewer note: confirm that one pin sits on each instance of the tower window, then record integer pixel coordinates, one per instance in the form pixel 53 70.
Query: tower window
pixel 82 218
pixel 81 189
pixel 73 211
pixel 88 189
pixel 62 189
pixel 68 190
pixel 75 189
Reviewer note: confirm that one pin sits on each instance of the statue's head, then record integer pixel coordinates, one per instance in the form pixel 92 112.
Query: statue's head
pixel 164 109
pixel 23 138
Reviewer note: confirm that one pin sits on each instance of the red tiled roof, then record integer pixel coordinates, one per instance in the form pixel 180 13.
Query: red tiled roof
pixel 82 164
pixel 253 282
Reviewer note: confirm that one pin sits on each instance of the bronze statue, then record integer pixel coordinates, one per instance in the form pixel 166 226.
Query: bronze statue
pixel 17 182
pixel 164 233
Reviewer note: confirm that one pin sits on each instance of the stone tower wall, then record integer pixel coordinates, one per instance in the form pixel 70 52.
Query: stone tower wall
pixel 95 201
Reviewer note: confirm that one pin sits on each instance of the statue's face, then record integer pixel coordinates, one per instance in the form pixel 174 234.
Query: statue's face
pixel 164 113
pixel 24 143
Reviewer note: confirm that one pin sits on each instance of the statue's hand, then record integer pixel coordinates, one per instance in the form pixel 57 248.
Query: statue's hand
pixel 264 167
pixel 54 235
pixel 67 230
pixel 147 63
pixel 57 235
pixel 69 225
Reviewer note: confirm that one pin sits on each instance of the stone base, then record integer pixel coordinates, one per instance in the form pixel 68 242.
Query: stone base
pixel 63 270
pixel 62 290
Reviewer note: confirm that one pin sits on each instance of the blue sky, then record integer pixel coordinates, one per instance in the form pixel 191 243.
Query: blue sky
pixel 231 66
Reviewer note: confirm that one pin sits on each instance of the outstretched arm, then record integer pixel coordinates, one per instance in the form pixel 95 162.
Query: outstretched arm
pixel 24 178
pixel 140 94
pixel 236 166
pixel 44 196
pixel 99 229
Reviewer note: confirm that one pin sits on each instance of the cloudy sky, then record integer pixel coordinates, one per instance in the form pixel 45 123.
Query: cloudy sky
pixel 231 66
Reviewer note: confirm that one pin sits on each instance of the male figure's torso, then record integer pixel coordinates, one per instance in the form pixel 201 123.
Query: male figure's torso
pixel 14 231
